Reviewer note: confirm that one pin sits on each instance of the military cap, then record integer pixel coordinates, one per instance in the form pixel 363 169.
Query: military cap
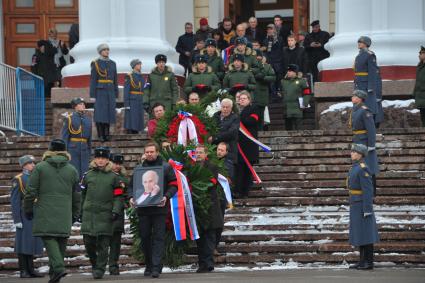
pixel 160 57
pixel 134 63
pixel 422 49
pixel 210 42
pixel 201 59
pixel 102 47
pixel 366 40
pixel 241 40
pixel 360 94
pixel 117 158
pixel 359 148
pixel 77 100
pixel 293 68
pixel 259 52
pixel 239 57
pixel 315 23
pixel 102 151
pixel 57 145
pixel 26 159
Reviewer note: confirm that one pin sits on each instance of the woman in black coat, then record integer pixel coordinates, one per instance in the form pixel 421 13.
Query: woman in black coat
pixel 249 117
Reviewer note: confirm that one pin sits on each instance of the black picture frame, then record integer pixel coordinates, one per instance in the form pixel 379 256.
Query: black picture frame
pixel 148 186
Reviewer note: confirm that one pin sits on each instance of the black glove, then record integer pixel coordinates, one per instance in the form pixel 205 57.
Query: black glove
pixel 114 216
pixel 29 215
pixel 260 76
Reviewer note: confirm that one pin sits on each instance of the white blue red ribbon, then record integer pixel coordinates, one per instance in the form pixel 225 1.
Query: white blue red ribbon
pixel 247 134
pixel 226 188
pixel 186 129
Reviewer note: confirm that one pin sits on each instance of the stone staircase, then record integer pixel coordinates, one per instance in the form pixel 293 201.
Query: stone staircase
pixel 298 216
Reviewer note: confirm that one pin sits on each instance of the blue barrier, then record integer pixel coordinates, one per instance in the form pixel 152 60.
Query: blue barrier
pixel 30 104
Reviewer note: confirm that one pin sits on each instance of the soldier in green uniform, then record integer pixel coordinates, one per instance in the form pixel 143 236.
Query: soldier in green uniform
pixel 53 199
pixel 118 225
pixel 293 89
pixel 102 203
pixel 202 80
pixel 247 52
pixel 163 85
pixel 214 58
pixel 239 76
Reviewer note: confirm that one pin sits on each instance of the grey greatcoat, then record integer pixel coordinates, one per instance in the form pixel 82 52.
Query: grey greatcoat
pixel 363 229
pixel 25 242
pixel 365 76
pixel 104 88
pixel 133 101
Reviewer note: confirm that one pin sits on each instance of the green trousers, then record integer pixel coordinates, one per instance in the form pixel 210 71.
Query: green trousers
pixel 55 248
pixel 97 248
pixel 114 250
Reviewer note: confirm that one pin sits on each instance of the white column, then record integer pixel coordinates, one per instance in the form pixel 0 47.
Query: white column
pixel 397 29
pixel 216 12
pixel 131 28
pixel 319 10
pixel 1 34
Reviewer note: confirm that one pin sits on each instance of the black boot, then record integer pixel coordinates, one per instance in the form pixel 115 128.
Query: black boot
pixel 106 132
pixel 30 264
pixel 23 269
pixel 355 266
pixel 368 258
pixel 100 134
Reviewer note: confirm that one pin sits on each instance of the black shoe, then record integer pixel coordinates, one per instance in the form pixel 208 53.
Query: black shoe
pixel 148 272
pixel 202 270
pixel 114 271
pixel 210 268
pixel 97 274
pixel 24 274
pixel 365 266
pixel 35 274
pixel 57 277
pixel 155 274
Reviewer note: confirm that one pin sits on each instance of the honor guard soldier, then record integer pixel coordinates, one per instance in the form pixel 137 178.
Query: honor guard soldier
pixel 53 199
pixel 366 73
pixel 163 84
pixel 102 204
pixel 133 99
pixel 363 229
pixel 364 131
pixel 419 90
pixel 202 80
pixel 239 76
pixel 118 224
pixel 77 134
pixel 26 245
pixel 104 88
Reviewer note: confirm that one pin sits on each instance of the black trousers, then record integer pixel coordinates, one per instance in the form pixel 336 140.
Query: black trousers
pixel 260 117
pixel 243 178
pixel 152 234
pixel 366 254
pixel 293 124
pixel 422 110
pixel 102 131
pixel 206 245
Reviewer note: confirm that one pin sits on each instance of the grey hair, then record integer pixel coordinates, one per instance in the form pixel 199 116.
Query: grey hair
pixel 227 101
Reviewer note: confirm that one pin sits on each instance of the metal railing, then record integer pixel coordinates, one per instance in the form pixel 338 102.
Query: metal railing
pixel 22 105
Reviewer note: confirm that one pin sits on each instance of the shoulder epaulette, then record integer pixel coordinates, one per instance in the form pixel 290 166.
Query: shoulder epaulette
pixel 362 165
pixel 365 107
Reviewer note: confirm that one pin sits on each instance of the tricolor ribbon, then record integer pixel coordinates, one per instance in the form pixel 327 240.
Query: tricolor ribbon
pixel 248 164
pixel 247 134
pixel 192 154
pixel 182 206
pixel 226 53
pixel 186 128
pixel 226 188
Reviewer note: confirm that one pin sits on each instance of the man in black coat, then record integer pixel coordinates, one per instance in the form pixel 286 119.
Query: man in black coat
pixel 314 44
pixel 43 65
pixel 282 30
pixel 294 54
pixel 152 219
pixel 253 32
pixel 185 45
pixel 228 128
pixel 207 241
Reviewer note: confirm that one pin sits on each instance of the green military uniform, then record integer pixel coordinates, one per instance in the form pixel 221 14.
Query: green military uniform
pixel 249 55
pixel 243 76
pixel 419 90
pixel 101 204
pixel 163 88
pixel 216 63
pixel 207 78
pixel 292 89
pixel 54 201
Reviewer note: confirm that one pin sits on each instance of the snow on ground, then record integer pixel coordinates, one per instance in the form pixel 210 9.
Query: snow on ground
pixel 338 107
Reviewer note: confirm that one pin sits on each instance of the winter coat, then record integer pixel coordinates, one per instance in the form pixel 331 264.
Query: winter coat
pixel 163 88
pixel 264 76
pixel 77 134
pixel 228 129
pixel 43 64
pixel 364 132
pixel 274 53
pixel 292 89
pixel 102 195
pixel 362 230
pixel 204 34
pixel 25 242
pixel 379 118
pixel 104 88
pixel 118 224
pixel 366 76
pixel 54 183
pixel 419 90
pixel 216 63
pixel 243 76
pixel 134 87
pixel 249 117
pixel 296 56
pixel 258 34
pixel 215 214
pixel 196 77
pixel 185 43
pixel 249 57
pixel 316 54
pixel 170 187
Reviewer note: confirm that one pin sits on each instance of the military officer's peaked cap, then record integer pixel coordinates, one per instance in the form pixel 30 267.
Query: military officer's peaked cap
pixel 160 57
pixel 26 159
pixel 201 59
pixel 134 63
pixel 241 40
pixel 57 145
pixel 102 151
pixel 366 40
pixel 359 148
pixel 210 42
pixel 239 57
pixel 293 68
pixel 360 94
pixel 117 158
pixel 422 49
pixel 102 47
pixel 77 100
pixel 315 23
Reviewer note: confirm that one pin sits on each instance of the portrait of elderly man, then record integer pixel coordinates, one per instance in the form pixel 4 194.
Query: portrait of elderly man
pixel 151 189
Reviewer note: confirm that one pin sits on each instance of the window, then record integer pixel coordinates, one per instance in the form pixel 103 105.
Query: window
pixel 25 28
pixel 64 3
pixel 24 3
pixel 25 55
pixel 63 28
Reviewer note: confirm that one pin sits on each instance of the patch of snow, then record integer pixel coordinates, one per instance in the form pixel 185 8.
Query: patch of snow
pixel 397 103
pixel 337 107
pixel 413 111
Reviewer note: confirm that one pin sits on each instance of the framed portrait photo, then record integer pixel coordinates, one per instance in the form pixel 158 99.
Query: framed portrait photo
pixel 148 186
